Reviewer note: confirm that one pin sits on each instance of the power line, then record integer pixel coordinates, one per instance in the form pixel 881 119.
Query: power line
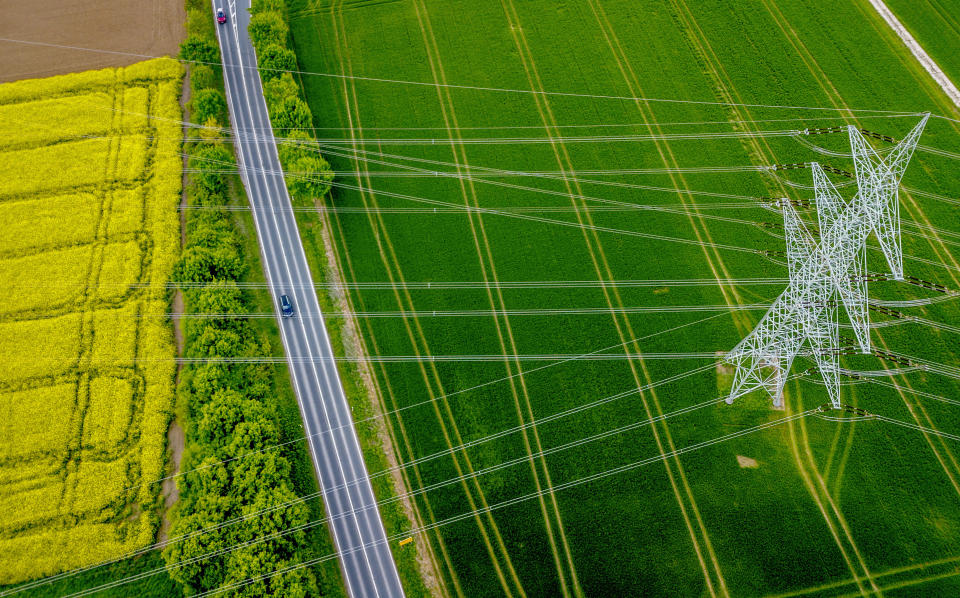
pixel 465 313
pixel 919 428
pixel 368 419
pixel 473 169
pixel 462 516
pixel 549 140
pixel 592 126
pixel 521 499
pixel 445 285
pixel 468 87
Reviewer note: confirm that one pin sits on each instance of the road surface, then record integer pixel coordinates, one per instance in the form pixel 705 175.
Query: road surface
pixel 357 529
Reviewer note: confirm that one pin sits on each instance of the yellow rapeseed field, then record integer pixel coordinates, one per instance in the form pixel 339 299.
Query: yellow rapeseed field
pixel 90 179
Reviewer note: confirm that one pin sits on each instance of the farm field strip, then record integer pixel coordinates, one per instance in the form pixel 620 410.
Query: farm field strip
pixel 92 409
pixel 576 51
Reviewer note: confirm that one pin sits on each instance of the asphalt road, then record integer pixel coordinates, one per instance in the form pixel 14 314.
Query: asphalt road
pixel 357 529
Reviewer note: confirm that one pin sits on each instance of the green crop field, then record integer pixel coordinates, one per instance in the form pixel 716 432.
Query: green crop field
pixel 935 25
pixel 88 199
pixel 806 507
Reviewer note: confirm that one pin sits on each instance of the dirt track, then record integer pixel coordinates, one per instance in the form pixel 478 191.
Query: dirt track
pixel 154 27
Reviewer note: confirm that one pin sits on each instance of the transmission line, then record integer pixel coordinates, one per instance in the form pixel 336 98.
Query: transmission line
pixel 381 473
pixel 371 418
pixel 456 518
pixel 521 499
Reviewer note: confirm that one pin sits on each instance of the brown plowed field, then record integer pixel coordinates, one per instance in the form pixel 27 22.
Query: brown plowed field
pixel 154 27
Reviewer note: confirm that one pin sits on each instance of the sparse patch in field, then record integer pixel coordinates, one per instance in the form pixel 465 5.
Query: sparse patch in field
pixel 747 462
pixel 88 388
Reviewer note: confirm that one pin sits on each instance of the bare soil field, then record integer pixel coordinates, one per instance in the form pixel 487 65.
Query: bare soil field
pixel 154 28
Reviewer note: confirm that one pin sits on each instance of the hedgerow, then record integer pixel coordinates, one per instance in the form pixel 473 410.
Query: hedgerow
pixel 229 407
pixel 92 235
pixel 308 173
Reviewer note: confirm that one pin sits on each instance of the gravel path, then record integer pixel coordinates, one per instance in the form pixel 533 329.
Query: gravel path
pixel 917 50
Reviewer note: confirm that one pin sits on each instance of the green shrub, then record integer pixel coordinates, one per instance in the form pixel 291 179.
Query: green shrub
pixel 278 89
pixel 274 60
pixel 268 28
pixel 198 49
pixel 277 6
pixel 292 113
pixel 202 195
pixel 202 76
pixel 210 159
pixel 309 174
pixel 219 418
pixel 200 23
pixel 252 378
pixel 206 104
pixel 203 264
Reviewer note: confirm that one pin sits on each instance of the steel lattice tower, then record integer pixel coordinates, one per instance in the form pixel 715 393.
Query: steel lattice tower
pixel 828 272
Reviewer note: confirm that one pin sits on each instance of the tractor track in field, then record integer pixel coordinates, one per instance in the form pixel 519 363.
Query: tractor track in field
pixel 948 562
pixel 801 451
pixel 611 293
pixel 485 255
pixel 420 345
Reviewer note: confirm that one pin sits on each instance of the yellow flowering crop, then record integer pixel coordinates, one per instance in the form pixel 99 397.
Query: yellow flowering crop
pixel 90 180
pixel 55 221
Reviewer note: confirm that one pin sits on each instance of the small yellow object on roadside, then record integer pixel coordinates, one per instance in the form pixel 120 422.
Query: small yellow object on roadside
pixel 406 541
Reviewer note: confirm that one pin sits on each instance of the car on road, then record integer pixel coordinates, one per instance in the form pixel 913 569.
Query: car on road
pixel 221 17
pixel 286 307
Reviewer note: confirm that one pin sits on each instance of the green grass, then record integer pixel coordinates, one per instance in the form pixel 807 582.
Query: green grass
pixel 934 24
pixel 627 534
pixel 155 586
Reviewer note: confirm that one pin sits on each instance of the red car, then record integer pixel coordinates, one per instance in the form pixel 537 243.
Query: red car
pixel 221 18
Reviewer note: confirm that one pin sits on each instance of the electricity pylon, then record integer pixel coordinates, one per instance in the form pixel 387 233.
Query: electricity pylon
pixel 803 320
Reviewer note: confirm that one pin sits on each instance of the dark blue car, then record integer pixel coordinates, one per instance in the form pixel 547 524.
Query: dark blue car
pixel 286 308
